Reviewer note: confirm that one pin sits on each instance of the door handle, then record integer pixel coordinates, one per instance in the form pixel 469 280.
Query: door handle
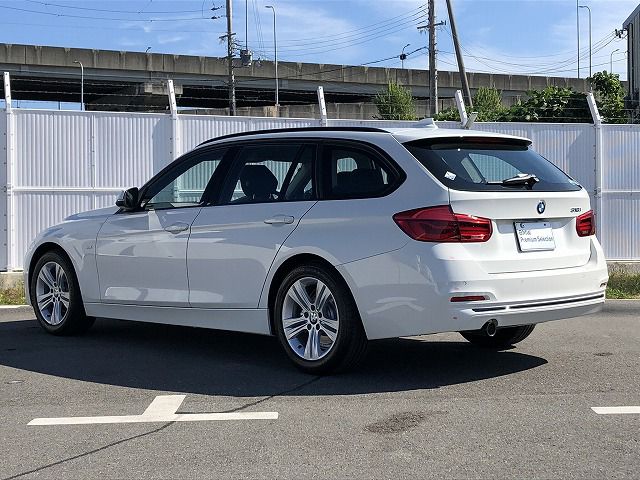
pixel 279 220
pixel 177 227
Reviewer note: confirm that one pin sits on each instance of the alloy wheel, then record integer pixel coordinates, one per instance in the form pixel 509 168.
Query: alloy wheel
pixel 310 318
pixel 52 293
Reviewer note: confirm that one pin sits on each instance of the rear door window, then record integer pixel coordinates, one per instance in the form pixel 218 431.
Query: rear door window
pixel 271 173
pixel 489 164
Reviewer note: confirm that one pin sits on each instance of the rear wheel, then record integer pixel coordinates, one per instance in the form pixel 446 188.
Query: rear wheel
pixel 55 296
pixel 504 337
pixel 317 322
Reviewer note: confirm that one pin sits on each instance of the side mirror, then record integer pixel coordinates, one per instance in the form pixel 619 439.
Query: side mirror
pixel 128 199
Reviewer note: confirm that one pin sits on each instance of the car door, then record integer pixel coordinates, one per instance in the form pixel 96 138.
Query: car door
pixel 268 189
pixel 141 254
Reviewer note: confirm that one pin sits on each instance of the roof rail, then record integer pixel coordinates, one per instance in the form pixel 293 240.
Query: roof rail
pixel 298 129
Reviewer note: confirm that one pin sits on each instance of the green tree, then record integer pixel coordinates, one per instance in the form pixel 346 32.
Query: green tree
pixel 487 102
pixel 448 114
pixel 395 103
pixel 609 94
pixel 553 104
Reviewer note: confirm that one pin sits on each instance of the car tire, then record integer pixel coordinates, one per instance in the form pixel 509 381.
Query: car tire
pixel 60 310
pixel 504 338
pixel 319 339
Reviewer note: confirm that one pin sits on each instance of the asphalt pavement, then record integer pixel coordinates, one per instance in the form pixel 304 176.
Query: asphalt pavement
pixel 431 406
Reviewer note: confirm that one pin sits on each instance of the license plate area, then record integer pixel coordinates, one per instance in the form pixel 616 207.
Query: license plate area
pixel 534 236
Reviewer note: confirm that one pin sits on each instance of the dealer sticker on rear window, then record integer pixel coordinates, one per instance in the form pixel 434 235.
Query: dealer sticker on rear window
pixel 534 236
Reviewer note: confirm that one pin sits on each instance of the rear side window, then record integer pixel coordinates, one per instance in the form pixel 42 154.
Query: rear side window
pixel 477 165
pixel 354 172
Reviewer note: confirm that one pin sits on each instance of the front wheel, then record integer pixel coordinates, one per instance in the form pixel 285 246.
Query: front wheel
pixel 504 337
pixel 317 321
pixel 55 296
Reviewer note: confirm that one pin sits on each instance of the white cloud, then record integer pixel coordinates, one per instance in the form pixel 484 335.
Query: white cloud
pixel 165 39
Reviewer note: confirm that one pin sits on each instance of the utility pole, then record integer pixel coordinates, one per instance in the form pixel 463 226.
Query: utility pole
pixel 456 44
pixel 433 54
pixel 231 79
pixel 275 54
pixel 433 67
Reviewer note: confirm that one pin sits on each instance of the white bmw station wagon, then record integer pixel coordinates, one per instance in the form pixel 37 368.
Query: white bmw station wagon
pixel 329 237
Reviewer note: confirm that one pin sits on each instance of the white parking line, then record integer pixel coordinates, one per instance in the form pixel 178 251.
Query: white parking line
pixel 615 410
pixel 162 409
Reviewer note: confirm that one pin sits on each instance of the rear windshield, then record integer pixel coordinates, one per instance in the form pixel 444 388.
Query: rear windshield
pixel 476 165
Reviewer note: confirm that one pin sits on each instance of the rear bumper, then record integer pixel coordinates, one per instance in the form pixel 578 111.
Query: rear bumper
pixel 474 317
pixel 408 291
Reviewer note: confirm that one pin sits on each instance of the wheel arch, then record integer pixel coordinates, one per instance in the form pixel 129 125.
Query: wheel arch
pixel 287 266
pixel 47 247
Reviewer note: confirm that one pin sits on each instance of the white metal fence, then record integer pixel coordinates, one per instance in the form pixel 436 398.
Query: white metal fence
pixel 61 162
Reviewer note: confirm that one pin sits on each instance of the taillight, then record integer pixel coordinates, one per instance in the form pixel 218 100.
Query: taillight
pixel 586 224
pixel 440 224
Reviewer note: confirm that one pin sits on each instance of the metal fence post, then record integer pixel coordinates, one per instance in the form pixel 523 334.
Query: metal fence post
pixel 7 174
pixel 175 134
pixel 599 162
pixel 323 107
pixel 175 125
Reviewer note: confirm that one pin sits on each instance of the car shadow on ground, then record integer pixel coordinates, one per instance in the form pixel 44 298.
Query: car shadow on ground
pixel 199 361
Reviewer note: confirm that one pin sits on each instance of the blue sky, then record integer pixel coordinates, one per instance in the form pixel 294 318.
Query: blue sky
pixel 502 36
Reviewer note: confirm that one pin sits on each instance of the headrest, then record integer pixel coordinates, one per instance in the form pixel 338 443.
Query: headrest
pixel 257 181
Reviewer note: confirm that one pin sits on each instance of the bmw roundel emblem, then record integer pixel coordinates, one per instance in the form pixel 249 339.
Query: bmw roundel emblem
pixel 541 207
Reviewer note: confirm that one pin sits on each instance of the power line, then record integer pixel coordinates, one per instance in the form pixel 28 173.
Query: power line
pixel 350 33
pixel 540 69
pixel 366 30
pixel 53 14
pixel 73 7
pixel 349 43
pixel 541 65
pixel 258 25
pixel 99 27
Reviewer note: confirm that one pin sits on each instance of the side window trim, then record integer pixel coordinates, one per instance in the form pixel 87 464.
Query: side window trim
pixel 214 190
pixel 289 176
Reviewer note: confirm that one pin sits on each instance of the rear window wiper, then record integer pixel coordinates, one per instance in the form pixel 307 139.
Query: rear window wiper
pixel 526 179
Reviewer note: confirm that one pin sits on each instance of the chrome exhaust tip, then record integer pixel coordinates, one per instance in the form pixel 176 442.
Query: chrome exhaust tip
pixel 491 327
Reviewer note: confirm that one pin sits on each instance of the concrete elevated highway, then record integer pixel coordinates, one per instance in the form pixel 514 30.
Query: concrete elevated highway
pixel 120 80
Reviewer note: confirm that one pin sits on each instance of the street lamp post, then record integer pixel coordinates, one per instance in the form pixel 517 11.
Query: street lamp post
pixel 275 54
pixel 590 40
pixel 403 56
pixel 611 60
pixel 81 84
pixel 578 33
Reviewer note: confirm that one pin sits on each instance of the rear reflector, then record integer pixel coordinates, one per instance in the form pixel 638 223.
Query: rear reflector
pixel 586 224
pixel 440 224
pixel 469 298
